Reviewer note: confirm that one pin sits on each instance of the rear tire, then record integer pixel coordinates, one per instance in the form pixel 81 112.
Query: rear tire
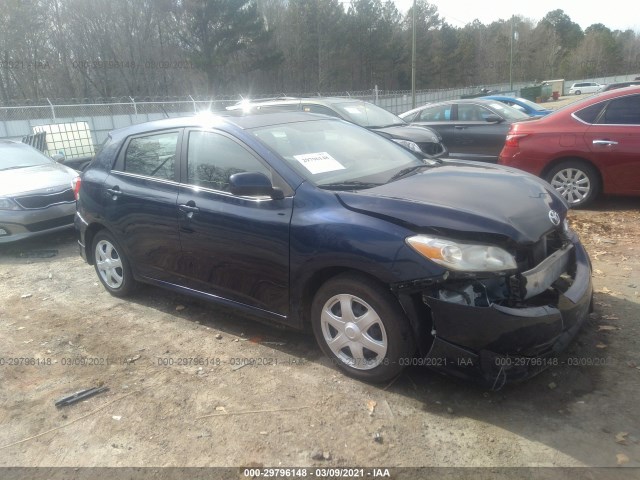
pixel 577 182
pixel 112 266
pixel 361 327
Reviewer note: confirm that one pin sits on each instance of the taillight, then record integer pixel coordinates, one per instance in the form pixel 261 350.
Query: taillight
pixel 514 140
pixel 76 187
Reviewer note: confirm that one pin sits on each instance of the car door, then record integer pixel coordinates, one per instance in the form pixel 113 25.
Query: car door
pixel 140 195
pixel 475 137
pixel 233 247
pixel 614 142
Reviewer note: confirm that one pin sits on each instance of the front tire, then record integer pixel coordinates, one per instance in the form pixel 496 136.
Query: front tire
pixel 578 92
pixel 112 266
pixel 577 182
pixel 360 326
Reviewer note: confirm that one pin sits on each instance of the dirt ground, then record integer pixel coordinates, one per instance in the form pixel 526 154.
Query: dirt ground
pixel 180 394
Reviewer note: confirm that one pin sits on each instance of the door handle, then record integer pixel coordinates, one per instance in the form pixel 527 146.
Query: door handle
pixel 606 143
pixel 114 192
pixel 189 208
pixel 459 127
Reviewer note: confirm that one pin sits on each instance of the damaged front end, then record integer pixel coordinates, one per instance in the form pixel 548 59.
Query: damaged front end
pixel 506 326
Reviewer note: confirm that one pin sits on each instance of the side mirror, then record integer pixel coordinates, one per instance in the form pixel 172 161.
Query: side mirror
pixel 493 119
pixel 253 184
pixel 58 157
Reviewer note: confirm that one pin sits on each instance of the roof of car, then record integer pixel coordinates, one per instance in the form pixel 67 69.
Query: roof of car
pixel 479 101
pixel 502 97
pixel 613 86
pixel 571 108
pixel 211 119
pixel 293 101
pixel 617 92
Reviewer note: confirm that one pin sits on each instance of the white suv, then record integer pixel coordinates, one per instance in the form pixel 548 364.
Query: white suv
pixel 585 87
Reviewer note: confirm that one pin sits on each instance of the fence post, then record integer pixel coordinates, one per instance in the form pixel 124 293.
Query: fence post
pixel 195 110
pixel 53 110
pixel 135 107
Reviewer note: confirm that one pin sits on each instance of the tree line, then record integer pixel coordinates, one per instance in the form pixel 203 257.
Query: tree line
pixel 143 48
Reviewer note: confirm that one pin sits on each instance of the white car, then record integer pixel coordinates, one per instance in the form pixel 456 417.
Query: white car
pixel 585 87
pixel 36 193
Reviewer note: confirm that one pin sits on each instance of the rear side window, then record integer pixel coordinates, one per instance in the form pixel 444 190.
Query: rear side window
pixel 590 113
pixel 435 114
pixel 623 111
pixel 152 155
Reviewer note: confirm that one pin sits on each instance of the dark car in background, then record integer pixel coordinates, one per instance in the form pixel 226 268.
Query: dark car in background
pixel 36 193
pixel 588 147
pixel 392 258
pixel 472 129
pixel 614 86
pixel 361 113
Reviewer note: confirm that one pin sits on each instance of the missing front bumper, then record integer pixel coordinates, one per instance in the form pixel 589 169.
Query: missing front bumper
pixel 498 344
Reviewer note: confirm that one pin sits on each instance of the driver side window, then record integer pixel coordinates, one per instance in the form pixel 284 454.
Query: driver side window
pixel 212 158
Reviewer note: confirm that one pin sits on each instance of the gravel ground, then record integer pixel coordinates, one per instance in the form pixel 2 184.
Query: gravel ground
pixel 178 396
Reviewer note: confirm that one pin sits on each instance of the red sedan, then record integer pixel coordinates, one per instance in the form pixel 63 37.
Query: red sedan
pixel 588 147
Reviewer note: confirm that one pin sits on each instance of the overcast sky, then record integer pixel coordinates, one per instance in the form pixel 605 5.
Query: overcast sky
pixel 615 14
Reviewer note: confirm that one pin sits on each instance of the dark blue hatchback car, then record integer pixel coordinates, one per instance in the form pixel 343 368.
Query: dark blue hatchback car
pixel 392 258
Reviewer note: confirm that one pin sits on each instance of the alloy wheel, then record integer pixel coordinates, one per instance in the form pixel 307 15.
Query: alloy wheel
pixel 354 332
pixel 109 264
pixel 573 184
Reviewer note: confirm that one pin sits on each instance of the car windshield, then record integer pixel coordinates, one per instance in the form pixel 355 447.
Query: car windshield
pixel 367 114
pixel 508 112
pixel 531 105
pixel 13 156
pixel 337 155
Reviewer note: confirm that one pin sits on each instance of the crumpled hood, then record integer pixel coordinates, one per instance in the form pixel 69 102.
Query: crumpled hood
pixel 415 133
pixel 33 179
pixel 465 197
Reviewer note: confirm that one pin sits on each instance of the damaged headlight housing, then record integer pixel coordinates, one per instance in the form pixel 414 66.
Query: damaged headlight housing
pixel 464 257
pixel 8 204
pixel 413 146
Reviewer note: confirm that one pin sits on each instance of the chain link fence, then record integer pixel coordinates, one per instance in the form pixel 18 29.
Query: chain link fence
pixel 104 115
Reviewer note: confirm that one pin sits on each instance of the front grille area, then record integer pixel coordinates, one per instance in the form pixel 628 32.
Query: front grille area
pixel 53 223
pixel 45 200
pixel 532 255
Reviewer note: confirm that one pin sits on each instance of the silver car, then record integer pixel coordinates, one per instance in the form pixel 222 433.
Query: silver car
pixel 36 193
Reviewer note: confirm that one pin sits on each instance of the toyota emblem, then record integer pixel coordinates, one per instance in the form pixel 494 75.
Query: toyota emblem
pixel 554 217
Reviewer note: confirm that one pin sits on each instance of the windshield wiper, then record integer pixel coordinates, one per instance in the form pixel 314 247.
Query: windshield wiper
pixel 406 171
pixel 349 185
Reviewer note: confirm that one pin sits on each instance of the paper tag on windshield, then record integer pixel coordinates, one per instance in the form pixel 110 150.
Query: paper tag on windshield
pixel 320 162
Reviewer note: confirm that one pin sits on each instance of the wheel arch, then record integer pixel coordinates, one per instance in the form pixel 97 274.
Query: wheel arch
pixel 89 234
pixel 418 314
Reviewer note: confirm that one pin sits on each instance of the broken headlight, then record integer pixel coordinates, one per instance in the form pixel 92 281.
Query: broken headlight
pixel 413 146
pixel 460 256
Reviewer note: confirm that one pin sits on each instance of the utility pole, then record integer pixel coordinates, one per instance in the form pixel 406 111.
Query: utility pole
pixel 511 57
pixel 413 58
